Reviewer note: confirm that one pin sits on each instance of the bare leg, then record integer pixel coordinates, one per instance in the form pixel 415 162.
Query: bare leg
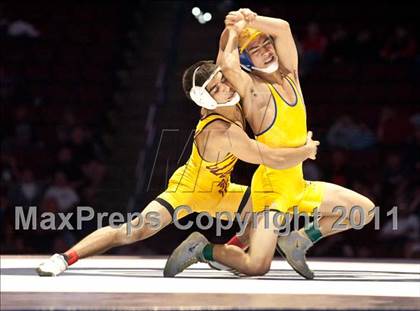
pixel 263 236
pixel 241 241
pixel 108 237
pixel 246 218
pixel 346 199
pixel 262 246
pixel 294 246
pixel 257 261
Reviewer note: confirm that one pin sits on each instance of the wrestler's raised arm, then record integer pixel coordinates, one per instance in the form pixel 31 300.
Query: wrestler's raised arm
pixel 277 28
pixel 228 60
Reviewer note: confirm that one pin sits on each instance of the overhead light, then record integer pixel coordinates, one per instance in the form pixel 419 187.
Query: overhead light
pixel 196 11
pixel 201 19
pixel 207 17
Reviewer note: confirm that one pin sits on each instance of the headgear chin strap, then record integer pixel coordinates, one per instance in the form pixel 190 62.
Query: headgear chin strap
pixel 202 97
pixel 248 65
pixel 269 69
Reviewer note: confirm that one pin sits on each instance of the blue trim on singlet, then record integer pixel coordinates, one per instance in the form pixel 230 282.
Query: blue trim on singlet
pixel 294 91
pixel 275 104
pixel 275 116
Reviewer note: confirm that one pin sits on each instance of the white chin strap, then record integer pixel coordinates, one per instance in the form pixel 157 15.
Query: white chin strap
pixel 269 69
pixel 235 99
pixel 202 97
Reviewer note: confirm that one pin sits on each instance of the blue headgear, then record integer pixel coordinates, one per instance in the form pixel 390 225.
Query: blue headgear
pixel 246 62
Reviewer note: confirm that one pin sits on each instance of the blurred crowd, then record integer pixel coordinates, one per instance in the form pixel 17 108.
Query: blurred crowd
pixel 395 44
pixel 54 173
pixel 384 165
pixel 376 153
pixel 57 118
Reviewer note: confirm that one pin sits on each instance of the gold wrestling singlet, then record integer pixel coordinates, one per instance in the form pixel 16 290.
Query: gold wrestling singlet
pixel 205 186
pixel 281 190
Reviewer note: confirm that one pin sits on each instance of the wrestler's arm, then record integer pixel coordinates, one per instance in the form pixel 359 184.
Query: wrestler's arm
pixel 233 139
pixel 280 30
pixel 228 60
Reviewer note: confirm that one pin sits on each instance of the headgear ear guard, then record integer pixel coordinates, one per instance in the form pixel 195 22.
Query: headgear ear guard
pixel 247 35
pixel 246 62
pixel 202 97
pixel 248 65
pixel 245 38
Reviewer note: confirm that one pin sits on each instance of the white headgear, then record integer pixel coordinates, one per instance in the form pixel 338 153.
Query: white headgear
pixel 202 97
pixel 269 69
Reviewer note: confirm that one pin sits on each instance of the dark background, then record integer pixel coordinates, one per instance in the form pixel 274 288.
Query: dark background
pixel 89 89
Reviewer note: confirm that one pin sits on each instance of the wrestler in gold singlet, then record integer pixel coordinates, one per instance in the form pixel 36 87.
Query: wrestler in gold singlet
pixel 205 186
pixel 281 190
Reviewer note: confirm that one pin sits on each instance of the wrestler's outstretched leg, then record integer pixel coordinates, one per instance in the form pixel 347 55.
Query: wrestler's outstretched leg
pixel 106 238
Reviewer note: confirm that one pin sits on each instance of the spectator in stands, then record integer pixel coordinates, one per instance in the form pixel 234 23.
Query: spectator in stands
pixel 365 48
pixel 65 127
pixel 393 129
pixel 23 128
pixel 401 46
pixel 23 137
pixel 340 46
pixel 415 120
pixel 347 134
pixel 27 192
pixel 394 171
pixel 62 136
pixel 3 25
pixel 8 167
pixel 61 191
pixel 21 28
pixel 54 203
pixel 66 164
pixel 7 85
pixel 69 120
pixel 314 44
pixel 82 148
pixel 10 241
pixel 405 233
pixel 4 203
pixel 94 171
pixel 312 171
pixel 44 240
pixel 338 171
pixel 412 149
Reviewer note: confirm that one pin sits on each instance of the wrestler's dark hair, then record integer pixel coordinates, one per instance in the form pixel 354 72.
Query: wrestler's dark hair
pixel 207 67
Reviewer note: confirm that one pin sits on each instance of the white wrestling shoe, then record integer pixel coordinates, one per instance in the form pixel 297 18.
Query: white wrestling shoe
pixel 186 254
pixel 53 266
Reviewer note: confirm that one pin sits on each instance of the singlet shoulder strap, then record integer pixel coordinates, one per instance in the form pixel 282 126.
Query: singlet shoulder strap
pixel 271 88
pixel 274 91
pixel 209 119
pixel 291 81
pixel 294 86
